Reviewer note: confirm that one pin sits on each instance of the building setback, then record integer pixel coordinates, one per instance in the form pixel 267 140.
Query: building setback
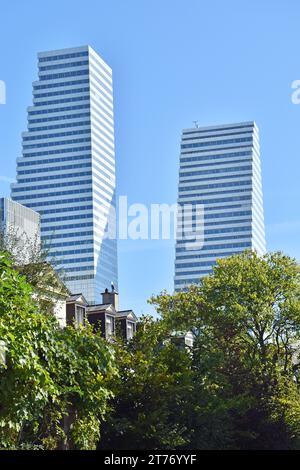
pixel 219 169
pixel 67 171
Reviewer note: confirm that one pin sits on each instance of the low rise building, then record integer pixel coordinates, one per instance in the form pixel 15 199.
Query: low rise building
pixel 107 317
pixel 49 291
pixel 76 306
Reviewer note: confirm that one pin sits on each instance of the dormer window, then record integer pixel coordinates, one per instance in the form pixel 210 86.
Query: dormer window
pixel 130 329
pixel 79 316
pixel 109 325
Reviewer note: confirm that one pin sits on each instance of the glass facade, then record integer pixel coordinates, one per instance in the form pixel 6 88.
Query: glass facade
pixel 67 169
pixel 224 177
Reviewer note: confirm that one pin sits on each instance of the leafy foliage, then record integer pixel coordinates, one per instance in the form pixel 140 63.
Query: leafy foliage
pixel 31 258
pixel 246 319
pixel 53 385
pixel 237 388
pixel 151 392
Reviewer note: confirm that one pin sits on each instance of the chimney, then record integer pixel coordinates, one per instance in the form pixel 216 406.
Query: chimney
pixel 111 297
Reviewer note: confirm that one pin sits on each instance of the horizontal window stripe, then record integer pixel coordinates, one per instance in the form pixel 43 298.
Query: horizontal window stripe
pixel 194 265
pixel 69 55
pixel 215 136
pixel 55 168
pixel 237 246
pixel 58 151
pixel 202 187
pixel 215 200
pixel 56 135
pixel 77 269
pixel 50 169
pixel 63 65
pixel 66 125
pixel 66 218
pixel 78 234
pixel 70 91
pixel 215 164
pixel 45 112
pixel 72 261
pixel 67 226
pixel 185 152
pixel 57 118
pixel 66 209
pixel 51 177
pixel 216 178
pixel 70 243
pixel 223 155
pixel 73 99
pixel 55 76
pixel 217 129
pixel 50 186
pixel 58 143
pixel 232 169
pixel 214 143
pixel 71 252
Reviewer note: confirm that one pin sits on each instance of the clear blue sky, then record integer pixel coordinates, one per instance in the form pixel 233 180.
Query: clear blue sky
pixel 173 61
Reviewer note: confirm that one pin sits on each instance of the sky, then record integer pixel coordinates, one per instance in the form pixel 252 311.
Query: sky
pixel 173 61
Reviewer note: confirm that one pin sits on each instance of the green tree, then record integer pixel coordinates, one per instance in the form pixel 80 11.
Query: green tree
pixel 151 392
pixel 31 258
pixel 246 317
pixel 53 384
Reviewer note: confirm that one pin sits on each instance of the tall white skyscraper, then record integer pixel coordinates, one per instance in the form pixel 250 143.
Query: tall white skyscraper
pixel 219 169
pixel 67 171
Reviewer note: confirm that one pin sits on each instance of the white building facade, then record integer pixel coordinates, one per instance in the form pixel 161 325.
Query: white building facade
pixel 67 170
pixel 20 227
pixel 220 170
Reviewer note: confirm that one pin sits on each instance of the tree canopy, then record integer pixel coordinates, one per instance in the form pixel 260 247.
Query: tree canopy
pixel 53 391
pixel 246 321
pixel 236 388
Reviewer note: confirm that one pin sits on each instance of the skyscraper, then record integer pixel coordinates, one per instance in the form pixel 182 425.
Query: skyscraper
pixel 219 169
pixel 67 171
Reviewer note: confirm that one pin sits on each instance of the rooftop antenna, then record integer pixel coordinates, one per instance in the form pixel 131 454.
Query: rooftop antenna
pixel 196 124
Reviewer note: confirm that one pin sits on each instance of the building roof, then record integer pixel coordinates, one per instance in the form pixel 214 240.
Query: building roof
pixel 78 298
pixel 101 308
pixel 126 314
pixel 109 308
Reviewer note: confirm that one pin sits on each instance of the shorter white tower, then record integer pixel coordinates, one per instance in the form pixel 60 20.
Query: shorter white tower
pixel 220 171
